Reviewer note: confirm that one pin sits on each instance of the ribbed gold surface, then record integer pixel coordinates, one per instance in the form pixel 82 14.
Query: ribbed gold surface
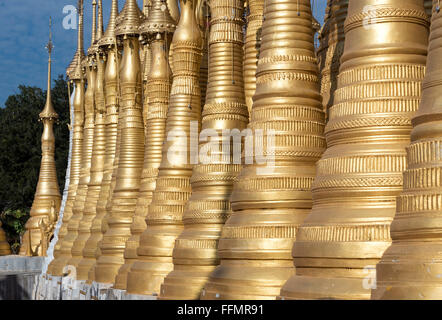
pixel 72 71
pixel 360 174
pixel 46 205
pixel 91 250
pixel 251 48
pixel 70 247
pixel 130 165
pixel 332 39
pixel 60 258
pixel 164 219
pixel 158 101
pixel 77 77
pixel 195 255
pixel 96 179
pixel 410 268
pixel 204 67
pixel 129 19
pixel 270 200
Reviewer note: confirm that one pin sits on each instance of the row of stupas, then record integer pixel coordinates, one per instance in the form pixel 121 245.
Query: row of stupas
pixel 315 192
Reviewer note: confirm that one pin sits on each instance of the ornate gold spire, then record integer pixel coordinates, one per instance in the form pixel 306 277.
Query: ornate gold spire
pixel 158 19
pixel 271 196
pixel 131 17
pixel 131 150
pixel 410 267
pixel 56 266
pixel 93 47
pixel 109 37
pixel 72 71
pixel 360 174
pixel 47 199
pixel 195 253
pixel 70 252
pixel 97 163
pixel 107 106
pixel 100 21
pixel 164 217
pixel 76 238
pixel 155 111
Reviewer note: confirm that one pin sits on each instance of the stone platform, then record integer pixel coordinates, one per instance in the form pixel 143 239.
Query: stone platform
pixel 64 288
pixel 18 276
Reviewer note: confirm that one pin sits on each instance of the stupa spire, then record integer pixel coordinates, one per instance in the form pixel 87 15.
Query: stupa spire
pixel 47 200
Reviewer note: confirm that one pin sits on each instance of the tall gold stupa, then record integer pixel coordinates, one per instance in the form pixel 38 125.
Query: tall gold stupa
pixel 108 53
pixel 44 211
pixel 164 217
pixel 271 196
pixel 360 174
pixel 157 30
pixel 411 267
pixel 75 74
pixel 225 113
pixel 70 253
pixel 97 160
pixel 131 151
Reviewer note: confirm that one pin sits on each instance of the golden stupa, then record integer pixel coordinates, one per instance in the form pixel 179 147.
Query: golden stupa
pixel 360 174
pixel 97 161
pixel 70 246
pixel 44 212
pixel 271 196
pixel 156 29
pixel 164 217
pixel 131 151
pixel 75 74
pixel 411 267
pixel 195 252
pixel 108 54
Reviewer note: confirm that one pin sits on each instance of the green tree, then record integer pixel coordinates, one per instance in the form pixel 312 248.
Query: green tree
pixel 20 151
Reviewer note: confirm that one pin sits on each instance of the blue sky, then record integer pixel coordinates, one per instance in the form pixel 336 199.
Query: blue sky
pixel 24 34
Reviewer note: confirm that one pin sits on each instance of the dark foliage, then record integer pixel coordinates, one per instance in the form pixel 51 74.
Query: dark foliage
pixel 20 151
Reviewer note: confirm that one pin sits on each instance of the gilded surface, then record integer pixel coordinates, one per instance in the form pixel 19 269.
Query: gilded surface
pixel 360 174
pixel 76 75
pixel 410 267
pixel 195 255
pixel 47 200
pixel 332 39
pixel 164 217
pixel 270 200
pixel 155 109
pixel 108 44
pixel 131 150
pixel 251 48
